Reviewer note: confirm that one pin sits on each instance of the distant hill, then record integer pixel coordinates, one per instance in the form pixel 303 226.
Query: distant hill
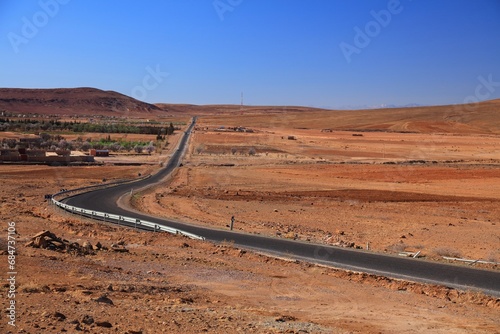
pixel 72 101
pixel 479 118
pixel 482 117
pixel 379 106
pixel 232 109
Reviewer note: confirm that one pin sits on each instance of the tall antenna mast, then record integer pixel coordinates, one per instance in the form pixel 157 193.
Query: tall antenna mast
pixel 241 106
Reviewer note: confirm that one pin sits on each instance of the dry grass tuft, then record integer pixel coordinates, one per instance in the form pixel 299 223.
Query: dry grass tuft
pixel 34 288
pixel 446 251
pixel 396 248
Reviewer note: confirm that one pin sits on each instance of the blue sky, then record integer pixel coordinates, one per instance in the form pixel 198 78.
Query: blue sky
pixel 323 53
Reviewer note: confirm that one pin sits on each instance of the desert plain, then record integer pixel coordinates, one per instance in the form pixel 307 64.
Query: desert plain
pixel 423 181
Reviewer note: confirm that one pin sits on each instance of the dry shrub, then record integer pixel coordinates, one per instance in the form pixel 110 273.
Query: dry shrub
pixel 396 248
pixel 34 288
pixel 446 251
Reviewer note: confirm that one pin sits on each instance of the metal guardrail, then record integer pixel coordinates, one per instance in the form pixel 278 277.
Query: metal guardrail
pixel 136 223
pixel 129 221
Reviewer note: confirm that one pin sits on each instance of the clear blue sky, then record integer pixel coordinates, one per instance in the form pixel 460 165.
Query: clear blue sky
pixel 278 52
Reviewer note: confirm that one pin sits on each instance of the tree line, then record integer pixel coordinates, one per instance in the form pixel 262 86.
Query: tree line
pixel 50 142
pixel 30 125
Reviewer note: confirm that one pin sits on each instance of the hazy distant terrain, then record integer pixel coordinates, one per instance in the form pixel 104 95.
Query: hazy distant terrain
pixel 480 118
pixel 420 181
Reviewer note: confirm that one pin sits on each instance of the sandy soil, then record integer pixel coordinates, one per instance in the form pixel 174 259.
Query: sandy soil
pixel 480 118
pixel 442 200
pixel 169 284
pixel 325 187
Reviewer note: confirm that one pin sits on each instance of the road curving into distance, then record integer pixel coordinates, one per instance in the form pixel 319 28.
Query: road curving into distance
pixel 418 270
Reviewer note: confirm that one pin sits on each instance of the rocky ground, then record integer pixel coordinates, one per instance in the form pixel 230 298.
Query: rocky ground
pixel 107 279
pixel 443 204
pixel 75 275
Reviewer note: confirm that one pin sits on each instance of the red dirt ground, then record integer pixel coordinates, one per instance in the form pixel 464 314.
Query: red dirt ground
pixel 435 191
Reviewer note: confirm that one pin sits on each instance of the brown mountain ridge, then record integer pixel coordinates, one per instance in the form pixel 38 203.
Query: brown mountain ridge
pixel 71 101
pixel 479 118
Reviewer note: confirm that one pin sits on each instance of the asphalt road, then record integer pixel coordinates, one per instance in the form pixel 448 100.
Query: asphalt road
pixel 456 276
